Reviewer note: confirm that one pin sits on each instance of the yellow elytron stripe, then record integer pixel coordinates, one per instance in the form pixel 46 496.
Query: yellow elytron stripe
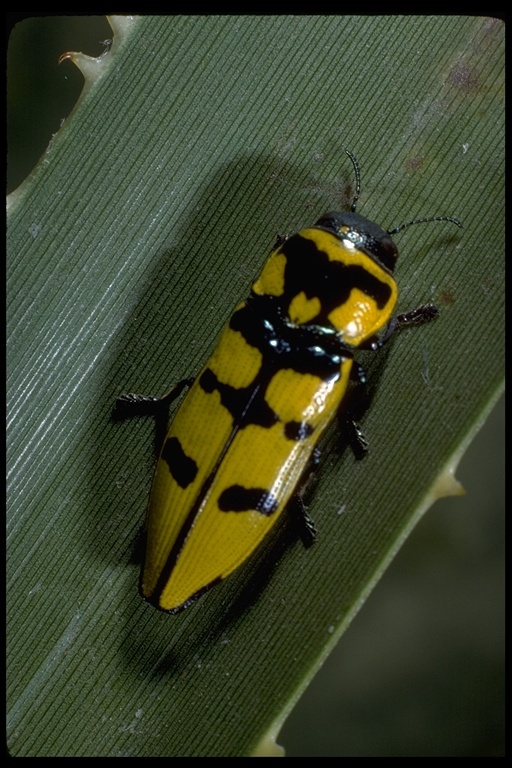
pixel 202 427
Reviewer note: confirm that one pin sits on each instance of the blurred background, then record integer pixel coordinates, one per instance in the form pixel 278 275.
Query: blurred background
pixel 420 672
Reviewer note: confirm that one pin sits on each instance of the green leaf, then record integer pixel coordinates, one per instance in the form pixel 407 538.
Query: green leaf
pixel 196 140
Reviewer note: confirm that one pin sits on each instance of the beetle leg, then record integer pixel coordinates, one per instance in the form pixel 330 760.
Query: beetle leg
pixel 422 314
pixel 131 404
pixel 354 409
pixel 358 439
pixel 308 528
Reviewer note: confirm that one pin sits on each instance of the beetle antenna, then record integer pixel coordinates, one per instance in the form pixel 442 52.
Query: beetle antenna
pixel 358 180
pixel 422 221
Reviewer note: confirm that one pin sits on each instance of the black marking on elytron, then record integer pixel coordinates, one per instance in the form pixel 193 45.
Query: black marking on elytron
pixel 298 430
pixel 182 467
pixel 366 235
pixel 236 401
pixel 309 270
pixel 236 498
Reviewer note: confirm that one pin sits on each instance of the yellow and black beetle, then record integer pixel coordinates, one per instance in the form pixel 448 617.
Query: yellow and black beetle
pixel 245 436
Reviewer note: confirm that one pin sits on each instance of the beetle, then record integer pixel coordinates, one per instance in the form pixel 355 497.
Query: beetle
pixel 243 442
